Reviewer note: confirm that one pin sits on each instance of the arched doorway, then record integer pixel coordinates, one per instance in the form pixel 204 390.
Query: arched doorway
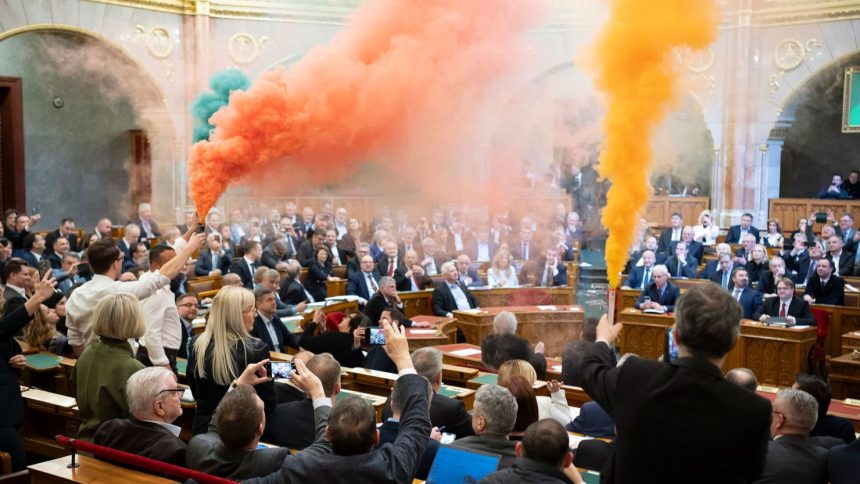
pixel 97 134
pixel 807 144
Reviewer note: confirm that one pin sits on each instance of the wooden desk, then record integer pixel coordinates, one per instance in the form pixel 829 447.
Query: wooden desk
pixel 336 287
pixel 380 383
pixel 421 337
pixel 418 302
pixel 469 356
pixel 47 414
pixel 457 375
pixel 845 377
pixel 90 471
pixel 554 327
pixel 775 354
pixel 850 341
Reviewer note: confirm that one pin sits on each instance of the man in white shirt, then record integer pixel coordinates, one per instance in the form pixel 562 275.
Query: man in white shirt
pixel 337 258
pixel 451 294
pixel 341 222
pixel 106 262
pixel 163 338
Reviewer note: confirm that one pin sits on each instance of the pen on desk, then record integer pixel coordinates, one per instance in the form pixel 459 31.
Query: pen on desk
pixel 440 429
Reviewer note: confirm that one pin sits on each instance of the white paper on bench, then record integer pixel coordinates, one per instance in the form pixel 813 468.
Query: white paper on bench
pixel 466 352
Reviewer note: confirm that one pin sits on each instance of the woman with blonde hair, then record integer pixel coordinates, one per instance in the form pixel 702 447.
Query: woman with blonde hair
pixel 219 355
pixel 42 332
pixel 555 406
pixel 101 372
pixel 502 272
pixel 758 265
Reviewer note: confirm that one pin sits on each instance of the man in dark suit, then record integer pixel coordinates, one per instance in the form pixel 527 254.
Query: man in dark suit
pixel 58 252
pixel 524 248
pixel 33 251
pixel 16 273
pixel 267 326
pixel 842 260
pixel 671 234
pixel 229 448
pixel 542 456
pixel 723 276
pixel 661 294
pixel 552 271
pixel 306 254
pixel 410 276
pixel 825 287
pixel 636 257
pixel 148 227
pixel 593 421
pixel 384 299
pixel 826 425
pixel 391 427
pixel 846 231
pixel 410 241
pixel 213 261
pixel 736 232
pixel 245 267
pixel 843 463
pixel 681 264
pixel 291 425
pixel 695 249
pixel 365 282
pixel 482 248
pixel 128 240
pixel 352 433
pixel 712 266
pixel 797 259
pixel 749 299
pixel 786 305
pixel 743 254
pixel 451 294
pixel 154 402
pixel 390 260
pixel 444 411
pixel 493 417
pixel 469 276
pixel 354 264
pixel 276 255
pixel 791 457
pixel 640 276
pixel 67 230
pixel 186 306
pixel 304 227
pixel 291 291
pixel 722 433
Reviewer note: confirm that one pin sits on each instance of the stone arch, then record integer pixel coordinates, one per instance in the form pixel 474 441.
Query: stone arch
pixel 90 69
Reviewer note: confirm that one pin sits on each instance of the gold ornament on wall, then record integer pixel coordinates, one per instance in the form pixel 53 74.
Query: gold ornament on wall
pixel 158 41
pixel 696 61
pixel 788 56
pixel 244 48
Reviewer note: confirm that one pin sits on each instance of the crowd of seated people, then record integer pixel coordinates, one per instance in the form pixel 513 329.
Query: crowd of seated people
pixel 238 405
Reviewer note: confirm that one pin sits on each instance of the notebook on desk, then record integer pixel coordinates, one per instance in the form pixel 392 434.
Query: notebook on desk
pixel 455 466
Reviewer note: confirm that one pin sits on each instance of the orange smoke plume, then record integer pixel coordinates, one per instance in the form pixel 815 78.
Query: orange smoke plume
pixel 399 85
pixel 634 67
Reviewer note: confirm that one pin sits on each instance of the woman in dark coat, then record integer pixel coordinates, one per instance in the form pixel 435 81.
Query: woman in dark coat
pixel 319 271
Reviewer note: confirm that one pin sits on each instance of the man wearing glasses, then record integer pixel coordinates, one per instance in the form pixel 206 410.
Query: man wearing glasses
pixel 153 401
pixel 186 306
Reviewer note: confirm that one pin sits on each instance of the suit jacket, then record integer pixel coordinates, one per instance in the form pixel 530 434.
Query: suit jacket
pixel 734 235
pixel 291 425
pixel 146 439
pixel 496 349
pixel 315 281
pixel 416 246
pixel 670 296
pixel 798 308
pixel 305 253
pixel 593 421
pixel 443 302
pixel 750 301
pixel 122 245
pixel 665 240
pixel 694 249
pixel 719 436
pixel 516 249
pixel 395 462
pixel 270 260
pixel 850 243
pixel 831 293
pixel 845 263
pixel 204 263
pixel 494 444
pixel 843 463
pixel 53 236
pixel 27 256
pixel 56 261
pixel 793 459
pixel 206 453
pixel 660 258
pixel 688 270
pixel 711 267
pixel 382 265
pixel 10 389
pixel 634 278
pixel 717 277
pixel 260 332
pixel 388 433
pixel 153 229
pixel 292 292
pixel 798 265
pixel 241 268
pixel 337 343
pixel 538 269
pixel 444 412
pixel 357 284
pixel 478 282
pixel 12 301
pixel 472 249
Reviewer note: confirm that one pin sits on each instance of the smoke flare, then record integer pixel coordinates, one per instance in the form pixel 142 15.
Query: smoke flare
pixel 399 85
pixel 208 103
pixel 633 66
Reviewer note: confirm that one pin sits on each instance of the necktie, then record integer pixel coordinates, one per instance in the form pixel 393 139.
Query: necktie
pixel 736 294
pixel 782 310
pixel 372 283
pixel 812 267
pixel 645 278
pixel 725 280
pixel 390 267
pixel 547 277
pixel 660 296
pixel 679 268
pixel 525 251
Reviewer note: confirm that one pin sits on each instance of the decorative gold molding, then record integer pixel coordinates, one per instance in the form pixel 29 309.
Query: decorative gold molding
pixel 158 40
pixel 245 48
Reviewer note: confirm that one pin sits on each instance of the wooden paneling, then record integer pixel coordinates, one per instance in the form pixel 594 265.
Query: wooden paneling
pixel 659 209
pixel 789 210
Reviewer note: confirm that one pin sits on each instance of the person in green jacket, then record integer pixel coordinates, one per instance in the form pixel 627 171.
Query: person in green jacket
pixel 101 373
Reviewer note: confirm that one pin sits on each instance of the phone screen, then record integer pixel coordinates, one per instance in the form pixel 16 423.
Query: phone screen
pixel 376 336
pixel 671 355
pixel 44 268
pixel 281 369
